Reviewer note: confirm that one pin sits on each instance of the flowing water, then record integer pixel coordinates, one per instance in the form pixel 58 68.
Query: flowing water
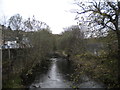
pixel 56 77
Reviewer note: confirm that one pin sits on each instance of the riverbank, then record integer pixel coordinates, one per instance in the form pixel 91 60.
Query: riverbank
pixel 23 80
pixel 77 69
pixel 99 68
pixel 27 79
pixel 61 74
pixel 15 77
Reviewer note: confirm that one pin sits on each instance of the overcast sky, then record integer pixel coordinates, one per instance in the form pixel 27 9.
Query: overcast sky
pixel 53 12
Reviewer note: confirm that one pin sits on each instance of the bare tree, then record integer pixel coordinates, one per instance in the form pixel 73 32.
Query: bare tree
pixel 15 22
pixel 103 14
pixel 33 24
pixel 3 20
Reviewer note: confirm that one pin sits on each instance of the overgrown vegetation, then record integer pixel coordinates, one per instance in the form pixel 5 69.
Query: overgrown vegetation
pixel 33 50
pixel 94 57
pixel 97 56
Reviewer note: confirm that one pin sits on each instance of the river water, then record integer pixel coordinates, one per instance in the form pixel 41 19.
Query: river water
pixel 57 77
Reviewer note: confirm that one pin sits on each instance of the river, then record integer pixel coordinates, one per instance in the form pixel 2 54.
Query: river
pixel 58 77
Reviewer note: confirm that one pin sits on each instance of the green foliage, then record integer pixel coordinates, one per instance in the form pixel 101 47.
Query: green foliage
pixel 100 68
pixel 112 43
pixel 42 42
pixel 25 59
pixel 71 41
pixel 13 83
pixel 85 55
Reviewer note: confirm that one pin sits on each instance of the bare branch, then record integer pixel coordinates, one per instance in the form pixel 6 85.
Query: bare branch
pixel 112 6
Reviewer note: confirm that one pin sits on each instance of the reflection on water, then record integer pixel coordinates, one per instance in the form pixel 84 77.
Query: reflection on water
pixel 56 77
pixel 53 79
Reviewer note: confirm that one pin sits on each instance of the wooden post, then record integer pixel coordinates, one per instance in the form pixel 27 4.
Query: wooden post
pixel 9 52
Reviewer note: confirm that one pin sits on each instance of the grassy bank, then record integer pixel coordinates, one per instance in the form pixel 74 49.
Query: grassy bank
pixel 20 70
pixel 24 79
pixel 15 82
pixel 100 68
pixel 29 76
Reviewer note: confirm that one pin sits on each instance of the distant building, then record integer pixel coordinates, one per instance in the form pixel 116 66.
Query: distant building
pixel 2 33
pixel 94 48
pixel 25 42
pixel 12 44
pixel 9 39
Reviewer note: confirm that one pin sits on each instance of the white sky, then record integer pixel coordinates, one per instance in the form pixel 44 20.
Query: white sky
pixel 53 12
